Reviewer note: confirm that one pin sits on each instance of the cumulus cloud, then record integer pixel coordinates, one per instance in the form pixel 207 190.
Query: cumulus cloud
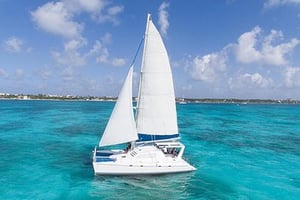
pixel 292 77
pixel 251 85
pixel 115 10
pixel 92 6
pixel 55 18
pixel 276 54
pixel 208 68
pixel 163 18
pixel 104 58
pixel 273 3
pixel 95 49
pixel 268 50
pixel 102 52
pixel 60 17
pixel 14 44
pixel 109 15
pixel 251 48
pixel 248 63
pixel 71 55
pixel 255 80
pixel 245 50
pixel 118 62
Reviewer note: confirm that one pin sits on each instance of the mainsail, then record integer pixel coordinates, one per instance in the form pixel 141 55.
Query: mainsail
pixel 156 117
pixel 121 127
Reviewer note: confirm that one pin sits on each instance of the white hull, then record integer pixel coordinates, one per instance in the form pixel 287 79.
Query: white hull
pixel 115 169
pixel 141 160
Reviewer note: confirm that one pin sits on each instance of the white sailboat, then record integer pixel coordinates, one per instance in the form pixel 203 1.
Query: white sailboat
pixel 152 134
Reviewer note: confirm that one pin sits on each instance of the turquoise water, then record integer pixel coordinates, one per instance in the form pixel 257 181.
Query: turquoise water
pixel 241 152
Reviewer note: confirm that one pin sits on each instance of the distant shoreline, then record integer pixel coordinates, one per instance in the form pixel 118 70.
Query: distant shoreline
pixel 178 100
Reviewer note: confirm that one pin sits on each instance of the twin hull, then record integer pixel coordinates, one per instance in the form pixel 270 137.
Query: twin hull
pixel 140 160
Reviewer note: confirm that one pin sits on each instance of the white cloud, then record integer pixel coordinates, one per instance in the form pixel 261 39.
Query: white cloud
pixel 95 49
pixel 243 61
pixel 273 3
pixel 103 57
pixel 109 15
pixel 112 11
pixel 245 50
pixel 59 17
pixel 75 44
pixel 163 18
pixel 267 50
pixel 71 55
pixel 100 10
pixel 92 6
pixel 118 62
pixel 247 80
pixel 256 79
pixel 292 77
pixel 275 54
pixel 98 47
pixel 55 18
pixel 208 68
pixel 72 58
pixel 14 44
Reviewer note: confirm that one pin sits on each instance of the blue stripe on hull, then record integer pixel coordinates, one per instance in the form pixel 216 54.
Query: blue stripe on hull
pixel 147 137
pixel 104 159
pixel 101 153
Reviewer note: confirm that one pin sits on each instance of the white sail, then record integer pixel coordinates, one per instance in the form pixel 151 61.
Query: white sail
pixel 156 112
pixel 121 127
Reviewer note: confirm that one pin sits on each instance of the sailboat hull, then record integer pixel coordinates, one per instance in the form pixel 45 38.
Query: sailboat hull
pixel 140 160
pixel 117 169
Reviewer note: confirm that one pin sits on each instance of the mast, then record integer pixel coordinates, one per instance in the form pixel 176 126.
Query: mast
pixel 142 63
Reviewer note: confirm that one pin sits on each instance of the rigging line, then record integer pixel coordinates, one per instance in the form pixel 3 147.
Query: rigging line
pixel 137 51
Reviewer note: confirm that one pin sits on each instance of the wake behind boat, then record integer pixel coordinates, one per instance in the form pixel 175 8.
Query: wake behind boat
pixel 152 134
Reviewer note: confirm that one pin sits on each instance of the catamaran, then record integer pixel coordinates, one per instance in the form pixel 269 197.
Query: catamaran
pixel 151 134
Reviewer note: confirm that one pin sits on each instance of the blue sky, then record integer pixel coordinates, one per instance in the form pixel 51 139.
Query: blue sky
pixel 218 49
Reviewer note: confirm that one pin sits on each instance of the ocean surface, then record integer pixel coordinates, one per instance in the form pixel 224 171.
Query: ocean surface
pixel 240 151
